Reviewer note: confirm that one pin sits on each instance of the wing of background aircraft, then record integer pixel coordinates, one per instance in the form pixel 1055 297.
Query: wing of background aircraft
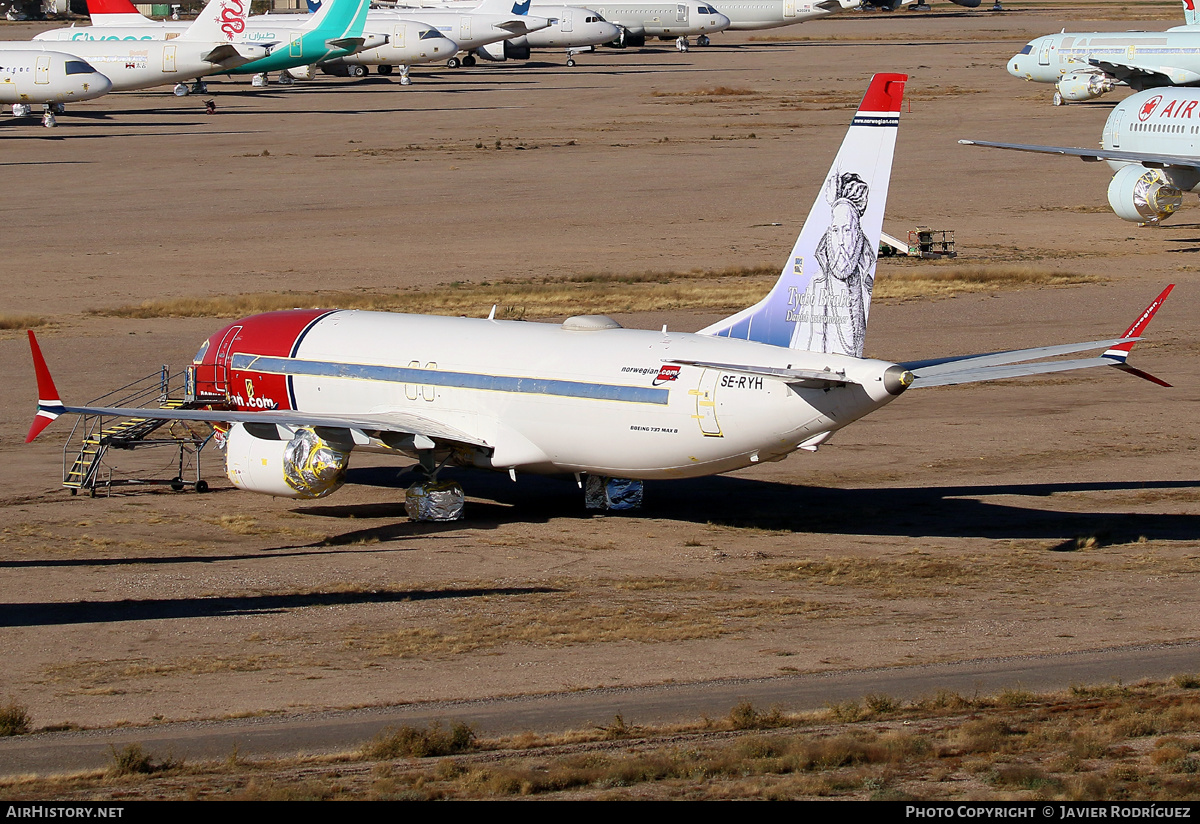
pixel 1148 159
pixel 1136 73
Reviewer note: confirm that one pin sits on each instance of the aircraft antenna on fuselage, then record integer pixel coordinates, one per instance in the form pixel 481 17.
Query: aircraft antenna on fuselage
pixel 823 296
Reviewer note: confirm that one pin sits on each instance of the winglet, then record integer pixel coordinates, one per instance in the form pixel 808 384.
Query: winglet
pixel 49 406
pixel 1119 353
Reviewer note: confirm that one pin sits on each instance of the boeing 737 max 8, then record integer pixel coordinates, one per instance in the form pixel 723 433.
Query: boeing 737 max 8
pixel 299 390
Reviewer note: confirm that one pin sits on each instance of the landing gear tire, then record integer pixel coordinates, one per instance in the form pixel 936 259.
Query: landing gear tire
pixel 453 63
pixel 681 43
pixel 260 80
pixel 182 90
pixel 1058 99
pixel 385 69
pixel 469 60
pixel 405 80
pixel 22 110
pixel 570 61
pixel 357 71
pixel 202 88
pixel 702 40
pixel 58 108
pixel 286 79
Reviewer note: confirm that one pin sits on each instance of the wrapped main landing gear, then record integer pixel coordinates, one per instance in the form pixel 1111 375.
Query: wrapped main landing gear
pixel 434 501
pixel 613 494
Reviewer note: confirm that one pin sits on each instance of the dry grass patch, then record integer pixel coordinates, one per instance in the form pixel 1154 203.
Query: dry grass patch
pixel 943 280
pixel 21 321
pixel 697 289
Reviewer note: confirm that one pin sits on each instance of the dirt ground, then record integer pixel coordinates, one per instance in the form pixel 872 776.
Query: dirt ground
pixel 1004 519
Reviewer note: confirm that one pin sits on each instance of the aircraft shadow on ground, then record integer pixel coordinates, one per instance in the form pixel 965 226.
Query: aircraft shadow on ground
pixel 914 512
pixel 151 609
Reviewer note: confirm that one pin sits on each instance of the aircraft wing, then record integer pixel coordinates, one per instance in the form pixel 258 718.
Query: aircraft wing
pixel 1148 159
pixel 1022 362
pixel 393 421
pixel 1125 71
pixel 350 44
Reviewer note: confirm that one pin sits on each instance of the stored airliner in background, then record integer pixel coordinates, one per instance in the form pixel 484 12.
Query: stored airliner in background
pixel 299 390
pixel 1152 141
pixel 1086 65
pixel 50 78
pixel 208 45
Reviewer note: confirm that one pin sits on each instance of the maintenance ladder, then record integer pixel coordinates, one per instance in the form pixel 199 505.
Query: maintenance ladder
pixel 94 436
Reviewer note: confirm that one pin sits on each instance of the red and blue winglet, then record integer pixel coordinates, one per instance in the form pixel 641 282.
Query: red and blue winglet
pixel 1119 353
pixel 49 406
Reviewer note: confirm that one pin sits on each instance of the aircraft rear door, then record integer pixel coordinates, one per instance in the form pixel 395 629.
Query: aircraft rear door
pixel 706 403
pixel 168 59
pixel 681 13
pixel 296 47
pixel 41 71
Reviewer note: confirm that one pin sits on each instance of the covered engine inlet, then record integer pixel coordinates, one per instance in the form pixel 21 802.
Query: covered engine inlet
pixel 300 464
pixel 1142 195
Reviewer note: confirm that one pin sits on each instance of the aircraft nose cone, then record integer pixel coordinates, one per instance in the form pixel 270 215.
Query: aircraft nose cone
pixel 1014 67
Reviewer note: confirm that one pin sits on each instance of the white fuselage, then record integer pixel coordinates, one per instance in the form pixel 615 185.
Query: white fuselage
pixel 570 28
pixel 685 18
pixel 1158 122
pixel 755 15
pixel 549 399
pixel 1176 54
pixel 469 29
pixel 409 42
pixel 48 77
pixel 144 64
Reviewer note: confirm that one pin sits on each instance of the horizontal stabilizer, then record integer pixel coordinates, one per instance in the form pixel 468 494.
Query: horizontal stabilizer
pixel 802 377
pixel 1022 362
pixel 350 44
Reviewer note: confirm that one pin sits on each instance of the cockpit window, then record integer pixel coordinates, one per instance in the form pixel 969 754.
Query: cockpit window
pixel 429 34
pixel 1027 50
pixel 78 67
pixel 200 355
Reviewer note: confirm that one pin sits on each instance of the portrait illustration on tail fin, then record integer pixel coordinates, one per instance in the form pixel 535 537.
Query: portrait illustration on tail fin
pixel 831 314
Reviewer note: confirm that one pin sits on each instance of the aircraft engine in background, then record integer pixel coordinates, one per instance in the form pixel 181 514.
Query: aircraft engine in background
pixel 304 463
pixel 516 48
pixel 1142 195
pixel 1077 86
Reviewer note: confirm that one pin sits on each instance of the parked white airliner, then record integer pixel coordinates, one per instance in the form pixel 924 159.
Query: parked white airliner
pixel 301 389
pixel 1086 65
pixel 1152 141
pixel 206 46
pixel 50 78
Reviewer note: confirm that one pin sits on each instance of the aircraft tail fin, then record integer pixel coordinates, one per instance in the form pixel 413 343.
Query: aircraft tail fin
pixel 1189 13
pixel 823 296
pixel 221 21
pixel 115 13
pixel 337 19
pixel 517 7
pixel 49 405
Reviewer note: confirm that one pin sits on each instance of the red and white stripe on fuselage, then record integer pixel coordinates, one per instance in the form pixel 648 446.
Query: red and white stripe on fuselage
pixel 274 334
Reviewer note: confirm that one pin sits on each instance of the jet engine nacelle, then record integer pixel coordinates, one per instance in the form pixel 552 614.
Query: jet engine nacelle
pixel 630 38
pixel 303 72
pixel 516 48
pixel 1142 195
pixel 260 457
pixel 1078 86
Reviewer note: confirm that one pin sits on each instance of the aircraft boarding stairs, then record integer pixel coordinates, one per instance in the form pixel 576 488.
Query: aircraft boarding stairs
pixel 86 459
